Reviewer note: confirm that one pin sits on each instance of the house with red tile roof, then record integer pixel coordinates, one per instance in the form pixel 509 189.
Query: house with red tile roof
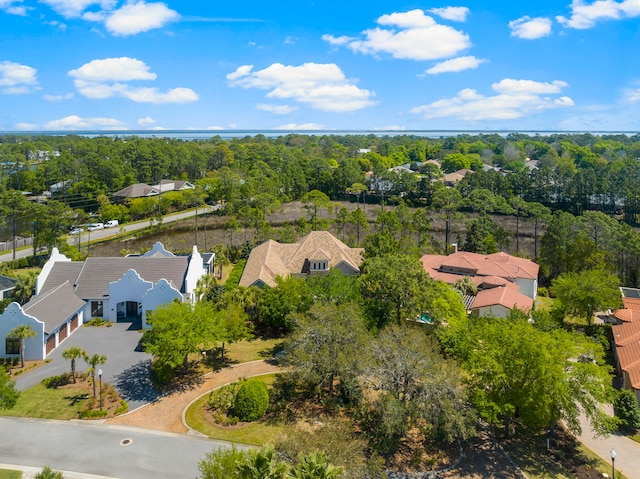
pixel 626 339
pixel 504 282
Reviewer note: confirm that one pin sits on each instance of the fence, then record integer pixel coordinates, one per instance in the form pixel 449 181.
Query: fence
pixel 20 242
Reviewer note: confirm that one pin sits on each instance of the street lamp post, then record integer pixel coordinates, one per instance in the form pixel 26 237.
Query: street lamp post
pixel 100 377
pixel 613 463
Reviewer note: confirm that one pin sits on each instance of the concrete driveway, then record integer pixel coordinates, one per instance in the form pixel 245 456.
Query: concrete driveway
pixel 127 366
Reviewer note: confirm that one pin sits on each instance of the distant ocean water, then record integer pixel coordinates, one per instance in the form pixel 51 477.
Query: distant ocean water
pixel 230 134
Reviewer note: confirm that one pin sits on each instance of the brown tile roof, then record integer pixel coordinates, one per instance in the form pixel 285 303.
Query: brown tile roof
pixel 627 315
pixel 271 259
pixel 631 303
pixel 91 278
pixel 507 296
pixel 54 307
pixel 627 340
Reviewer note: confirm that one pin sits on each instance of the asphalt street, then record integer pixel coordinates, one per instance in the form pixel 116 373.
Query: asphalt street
pixel 101 450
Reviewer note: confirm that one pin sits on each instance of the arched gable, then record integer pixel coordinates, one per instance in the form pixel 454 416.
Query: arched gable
pixel 131 287
pixel 14 316
pixel 162 293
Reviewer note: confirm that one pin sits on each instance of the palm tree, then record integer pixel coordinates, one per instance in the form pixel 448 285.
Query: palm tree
pixel 72 354
pixel 48 473
pixel 315 466
pixel 94 361
pixel 25 287
pixel 262 464
pixel 22 332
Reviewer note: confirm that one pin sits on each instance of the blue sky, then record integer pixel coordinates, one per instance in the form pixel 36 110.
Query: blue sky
pixel 323 64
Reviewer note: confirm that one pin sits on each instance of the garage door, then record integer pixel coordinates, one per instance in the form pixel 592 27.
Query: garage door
pixel 62 334
pixel 74 322
pixel 51 343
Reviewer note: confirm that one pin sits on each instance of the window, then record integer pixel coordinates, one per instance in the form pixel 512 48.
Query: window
pixel 12 346
pixel 318 265
pixel 96 309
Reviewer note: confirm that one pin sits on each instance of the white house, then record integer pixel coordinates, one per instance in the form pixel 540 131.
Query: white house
pixel 69 293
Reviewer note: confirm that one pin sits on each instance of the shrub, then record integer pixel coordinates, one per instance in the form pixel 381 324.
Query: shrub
pixel 15 361
pixel 97 322
pixel 235 275
pixel 627 410
pixel 124 407
pixel 224 398
pixel 161 375
pixel 48 473
pixel 56 381
pixel 93 414
pixel 252 400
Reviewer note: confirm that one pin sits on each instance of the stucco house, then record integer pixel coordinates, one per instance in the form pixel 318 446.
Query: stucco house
pixel 626 340
pixel 69 293
pixel 140 190
pixel 316 253
pixel 504 282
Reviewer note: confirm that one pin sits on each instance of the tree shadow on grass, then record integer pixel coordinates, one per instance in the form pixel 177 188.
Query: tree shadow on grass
pixel 76 398
pixel 134 383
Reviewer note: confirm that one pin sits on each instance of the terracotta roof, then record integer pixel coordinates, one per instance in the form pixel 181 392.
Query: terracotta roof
pixel 627 315
pixel 54 307
pixel 501 264
pixel 271 259
pixel 627 340
pixel 507 296
pixel 631 303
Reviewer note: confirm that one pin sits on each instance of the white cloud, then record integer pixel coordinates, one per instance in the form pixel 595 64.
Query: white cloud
pixel 17 79
pixel 74 8
pixel 321 86
pixel 74 122
pixel 455 14
pixel 57 98
pixel 100 79
pixel 303 126
pixel 410 35
pixel 13 7
pixel 215 127
pixel 134 18
pixel 514 99
pixel 586 15
pixel 529 28
pixel 146 121
pixel 113 69
pixel 632 95
pixel 26 126
pixel 277 109
pixel 456 65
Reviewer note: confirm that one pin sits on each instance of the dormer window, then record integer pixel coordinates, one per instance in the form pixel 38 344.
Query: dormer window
pixel 318 265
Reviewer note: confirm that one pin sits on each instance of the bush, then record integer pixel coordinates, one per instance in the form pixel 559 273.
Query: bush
pixel 224 398
pixel 627 410
pixel 57 381
pixel 124 407
pixel 252 400
pixel 93 414
pixel 97 322
pixel 235 275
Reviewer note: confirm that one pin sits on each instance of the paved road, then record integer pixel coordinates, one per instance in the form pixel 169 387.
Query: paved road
pixel 98 449
pixel 106 233
pixel 627 451
pixel 127 366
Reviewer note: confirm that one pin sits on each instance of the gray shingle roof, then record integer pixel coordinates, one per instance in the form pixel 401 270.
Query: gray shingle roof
pixel 91 278
pixel 6 283
pixel 54 307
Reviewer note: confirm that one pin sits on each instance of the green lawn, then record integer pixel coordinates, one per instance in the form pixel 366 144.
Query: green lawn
pixel 245 351
pixel 10 474
pixel 45 403
pixel 258 432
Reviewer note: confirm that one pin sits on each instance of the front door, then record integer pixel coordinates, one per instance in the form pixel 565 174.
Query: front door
pixel 132 309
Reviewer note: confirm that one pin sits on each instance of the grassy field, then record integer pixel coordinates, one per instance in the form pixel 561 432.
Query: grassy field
pixel 49 403
pixel 257 348
pixel 257 433
pixel 10 474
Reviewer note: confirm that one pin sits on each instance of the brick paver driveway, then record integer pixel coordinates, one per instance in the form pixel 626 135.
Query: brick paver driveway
pixel 127 366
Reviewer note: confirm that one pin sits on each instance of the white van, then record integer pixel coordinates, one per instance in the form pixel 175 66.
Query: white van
pixel 95 226
pixel 111 224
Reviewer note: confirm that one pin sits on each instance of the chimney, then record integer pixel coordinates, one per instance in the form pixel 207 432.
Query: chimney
pixel 454 247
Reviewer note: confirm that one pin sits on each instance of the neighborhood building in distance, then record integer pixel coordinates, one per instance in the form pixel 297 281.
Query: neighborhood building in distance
pixel 70 293
pixel 626 339
pixel 317 252
pixel 504 281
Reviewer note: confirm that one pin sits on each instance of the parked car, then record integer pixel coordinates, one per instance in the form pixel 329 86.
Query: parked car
pixel 111 224
pixel 76 231
pixel 96 226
